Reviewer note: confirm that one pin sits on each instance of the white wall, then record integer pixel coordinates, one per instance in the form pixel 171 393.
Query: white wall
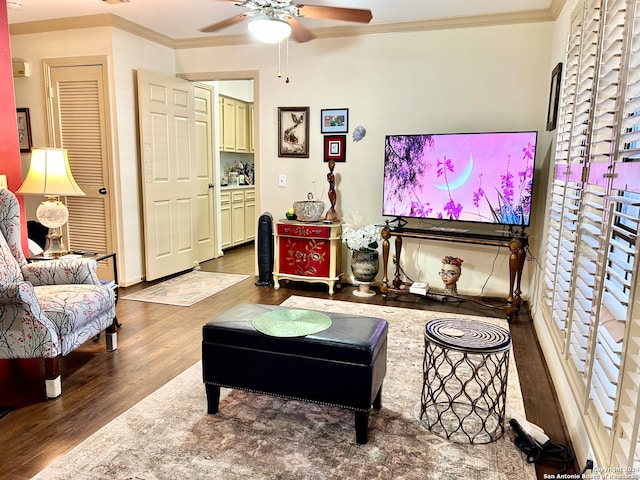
pixel 126 53
pixel 131 53
pixel 473 79
pixel 240 89
pixel 470 79
pixel 29 91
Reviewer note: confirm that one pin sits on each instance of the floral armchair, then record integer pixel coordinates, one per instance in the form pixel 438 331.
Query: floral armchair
pixel 48 308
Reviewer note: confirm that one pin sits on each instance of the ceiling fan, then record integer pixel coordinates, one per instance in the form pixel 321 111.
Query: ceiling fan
pixel 285 11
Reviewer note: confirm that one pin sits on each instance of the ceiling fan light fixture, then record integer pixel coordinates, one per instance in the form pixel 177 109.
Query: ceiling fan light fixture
pixel 269 30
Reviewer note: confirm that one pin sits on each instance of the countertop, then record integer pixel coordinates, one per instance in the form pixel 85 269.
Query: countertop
pixel 235 187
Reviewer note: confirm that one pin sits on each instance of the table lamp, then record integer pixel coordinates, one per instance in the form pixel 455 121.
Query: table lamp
pixel 49 175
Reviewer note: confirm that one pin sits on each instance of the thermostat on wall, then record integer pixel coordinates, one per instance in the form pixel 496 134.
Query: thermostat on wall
pixel 21 68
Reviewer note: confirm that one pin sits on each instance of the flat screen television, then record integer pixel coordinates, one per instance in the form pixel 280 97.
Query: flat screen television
pixel 473 177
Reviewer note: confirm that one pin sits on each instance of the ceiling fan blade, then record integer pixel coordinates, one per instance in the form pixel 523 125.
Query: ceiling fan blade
pixel 299 32
pixel 224 23
pixel 336 13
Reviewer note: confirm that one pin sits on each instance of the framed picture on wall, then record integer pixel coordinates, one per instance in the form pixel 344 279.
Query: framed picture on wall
pixel 293 132
pixel 334 121
pixel 335 148
pixel 24 129
pixel 554 97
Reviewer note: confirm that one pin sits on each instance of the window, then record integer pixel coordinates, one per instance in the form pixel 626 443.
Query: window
pixel 590 268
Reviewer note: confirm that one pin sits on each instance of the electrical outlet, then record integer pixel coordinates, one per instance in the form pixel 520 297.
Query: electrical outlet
pixel 282 180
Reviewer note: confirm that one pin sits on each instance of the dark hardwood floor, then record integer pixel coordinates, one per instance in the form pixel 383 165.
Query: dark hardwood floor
pixel 157 342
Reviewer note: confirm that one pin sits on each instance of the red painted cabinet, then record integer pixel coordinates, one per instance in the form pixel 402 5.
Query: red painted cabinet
pixel 309 252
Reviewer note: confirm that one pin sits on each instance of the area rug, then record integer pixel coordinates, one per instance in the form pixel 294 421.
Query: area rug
pixel 169 435
pixel 186 289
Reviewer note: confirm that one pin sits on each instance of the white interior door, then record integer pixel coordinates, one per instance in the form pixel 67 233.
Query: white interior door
pixel 169 168
pixel 78 115
pixel 206 173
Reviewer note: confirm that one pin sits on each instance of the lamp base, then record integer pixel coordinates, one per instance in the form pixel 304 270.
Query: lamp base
pixel 55 247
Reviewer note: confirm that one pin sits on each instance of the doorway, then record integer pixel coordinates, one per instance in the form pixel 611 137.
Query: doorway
pixel 244 161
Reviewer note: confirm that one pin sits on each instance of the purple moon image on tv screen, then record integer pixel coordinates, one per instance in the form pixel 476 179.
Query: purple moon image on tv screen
pixel 475 177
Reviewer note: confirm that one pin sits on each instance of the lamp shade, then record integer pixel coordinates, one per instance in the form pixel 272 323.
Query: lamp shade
pixel 269 30
pixel 49 174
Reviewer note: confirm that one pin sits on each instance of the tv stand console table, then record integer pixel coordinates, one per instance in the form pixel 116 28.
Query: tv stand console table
pixel 515 243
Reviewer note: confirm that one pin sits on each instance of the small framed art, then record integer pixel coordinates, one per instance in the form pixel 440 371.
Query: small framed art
pixel 335 148
pixel 554 97
pixel 334 121
pixel 293 132
pixel 24 129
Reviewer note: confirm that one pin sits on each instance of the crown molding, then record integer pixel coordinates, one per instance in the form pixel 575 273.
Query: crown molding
pixel 556 7
pixel 90 21
pixel 530 16
pixel 110 20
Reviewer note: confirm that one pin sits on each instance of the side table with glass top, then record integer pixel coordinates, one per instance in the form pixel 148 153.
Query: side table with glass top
pixel 98 257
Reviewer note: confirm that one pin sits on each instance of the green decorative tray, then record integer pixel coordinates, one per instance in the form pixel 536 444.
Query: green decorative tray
pixel 291 322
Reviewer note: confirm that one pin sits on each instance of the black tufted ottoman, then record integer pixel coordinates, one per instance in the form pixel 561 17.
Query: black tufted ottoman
pixel 342 366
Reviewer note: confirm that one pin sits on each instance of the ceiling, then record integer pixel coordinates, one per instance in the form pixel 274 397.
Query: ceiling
pixel 181 19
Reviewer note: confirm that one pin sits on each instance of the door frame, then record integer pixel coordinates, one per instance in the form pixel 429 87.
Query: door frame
pixel 253 75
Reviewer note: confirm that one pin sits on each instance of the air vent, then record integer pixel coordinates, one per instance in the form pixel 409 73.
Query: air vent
pixel 115 1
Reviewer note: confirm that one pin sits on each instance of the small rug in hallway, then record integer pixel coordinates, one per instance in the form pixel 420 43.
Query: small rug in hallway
pixel 169 435
pixel 186 289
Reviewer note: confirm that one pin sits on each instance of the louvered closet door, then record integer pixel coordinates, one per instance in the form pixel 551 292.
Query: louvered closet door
pixel 79 115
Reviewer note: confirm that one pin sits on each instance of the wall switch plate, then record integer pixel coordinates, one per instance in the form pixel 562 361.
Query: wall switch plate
pixel 282 180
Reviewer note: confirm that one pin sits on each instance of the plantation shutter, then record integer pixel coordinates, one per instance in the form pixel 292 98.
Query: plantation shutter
pixel 622 280
pixel 601 353
pixel 590 271
pixel 565 190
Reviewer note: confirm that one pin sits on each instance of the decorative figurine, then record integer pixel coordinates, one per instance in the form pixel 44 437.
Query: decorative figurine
pixel 332 215
pixel 450 273
pixel 359 133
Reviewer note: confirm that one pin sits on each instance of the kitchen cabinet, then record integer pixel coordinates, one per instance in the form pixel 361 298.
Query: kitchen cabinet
pixel 228 121
pixel 252 147
pixel 225 219
pixel 236 125
pixel 237 216
pixel 250 214
pixel 242 127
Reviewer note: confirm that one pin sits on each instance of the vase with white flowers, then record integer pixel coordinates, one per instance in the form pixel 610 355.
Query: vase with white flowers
pixel 362 240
